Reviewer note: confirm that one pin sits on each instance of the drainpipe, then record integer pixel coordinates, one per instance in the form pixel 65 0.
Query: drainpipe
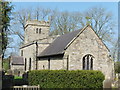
pixel 36 55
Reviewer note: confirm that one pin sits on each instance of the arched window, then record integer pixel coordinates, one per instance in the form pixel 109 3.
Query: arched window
pixel 21 52
pixel 36 30
pixel 88 62
pixel 49 63
pixel 30 64
pixel 40 31
pixel 25 63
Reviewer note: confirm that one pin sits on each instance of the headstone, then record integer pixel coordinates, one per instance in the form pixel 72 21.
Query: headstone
pixel 107 84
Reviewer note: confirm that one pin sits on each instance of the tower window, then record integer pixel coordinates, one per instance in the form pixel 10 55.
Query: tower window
pixel 40 31
pixel 36 30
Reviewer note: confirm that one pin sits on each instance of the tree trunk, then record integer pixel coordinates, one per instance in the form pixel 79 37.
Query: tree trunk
pixel 0 72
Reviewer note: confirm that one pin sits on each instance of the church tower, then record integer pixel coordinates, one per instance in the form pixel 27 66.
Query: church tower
pixel 35 30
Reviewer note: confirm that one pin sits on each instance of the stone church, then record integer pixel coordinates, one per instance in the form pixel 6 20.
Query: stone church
pixel 78 50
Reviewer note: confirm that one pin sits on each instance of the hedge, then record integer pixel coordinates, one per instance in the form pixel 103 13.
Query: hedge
pixel 7 81
pixel 66 79
pixel 18 80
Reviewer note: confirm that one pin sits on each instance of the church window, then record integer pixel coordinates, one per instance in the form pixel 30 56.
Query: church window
pixel 25 63
pixel 21 52
pixel 36 30
pixel 49 63
pixel 30 64
pixel 43 67
pixel 88 62
pixel 40 31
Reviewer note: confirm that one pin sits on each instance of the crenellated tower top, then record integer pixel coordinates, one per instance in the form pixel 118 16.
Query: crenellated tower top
pixel 35 30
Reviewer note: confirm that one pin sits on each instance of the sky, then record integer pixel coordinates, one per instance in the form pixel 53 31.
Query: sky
pixel 64 0
pixel 70 6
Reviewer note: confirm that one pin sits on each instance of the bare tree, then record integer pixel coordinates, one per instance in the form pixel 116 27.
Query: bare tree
pixel 21 16
pixel 115 49
pixel 101 21
pixel 64 22
pixel 18 23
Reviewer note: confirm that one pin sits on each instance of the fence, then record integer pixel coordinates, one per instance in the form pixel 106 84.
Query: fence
pixel 26 87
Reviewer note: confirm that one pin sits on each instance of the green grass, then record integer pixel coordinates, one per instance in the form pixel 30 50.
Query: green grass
pixel 18 81
pixel 18 77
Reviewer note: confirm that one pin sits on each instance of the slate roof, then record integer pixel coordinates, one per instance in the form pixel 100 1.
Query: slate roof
pixel 58 46
pixel 17 60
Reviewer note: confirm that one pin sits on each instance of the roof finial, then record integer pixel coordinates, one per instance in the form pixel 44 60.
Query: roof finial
pixel 88 20
pixel 29 16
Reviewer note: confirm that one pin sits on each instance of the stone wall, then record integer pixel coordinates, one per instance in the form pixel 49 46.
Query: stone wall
pixel 31 32
pixel 86 43
pixel 29 53
pixel 43 64
pixel 56 63
pixel 89 43
pixel 17 68
pixel 29 48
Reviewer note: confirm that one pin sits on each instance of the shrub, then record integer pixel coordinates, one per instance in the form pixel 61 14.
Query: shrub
pixel 6 65
pixel 18 81
pixel 7 81
pixel 9 72
pixel 118 76
pixel 66 79
pixel 117 67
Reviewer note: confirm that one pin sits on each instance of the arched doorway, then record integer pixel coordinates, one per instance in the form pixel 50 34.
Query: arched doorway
pixel 88 62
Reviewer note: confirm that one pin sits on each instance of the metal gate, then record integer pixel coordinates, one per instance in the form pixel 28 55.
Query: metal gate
pixel 25 87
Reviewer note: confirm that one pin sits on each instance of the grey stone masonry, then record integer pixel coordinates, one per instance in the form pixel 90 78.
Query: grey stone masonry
pixel 36 30
pixel 85 51
pixel 36 40
pixel 86 43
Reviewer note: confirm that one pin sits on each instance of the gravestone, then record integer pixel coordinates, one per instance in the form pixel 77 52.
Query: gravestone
pixel 107 84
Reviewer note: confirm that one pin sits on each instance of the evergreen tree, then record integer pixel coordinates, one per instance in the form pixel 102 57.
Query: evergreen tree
pixel 5 12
